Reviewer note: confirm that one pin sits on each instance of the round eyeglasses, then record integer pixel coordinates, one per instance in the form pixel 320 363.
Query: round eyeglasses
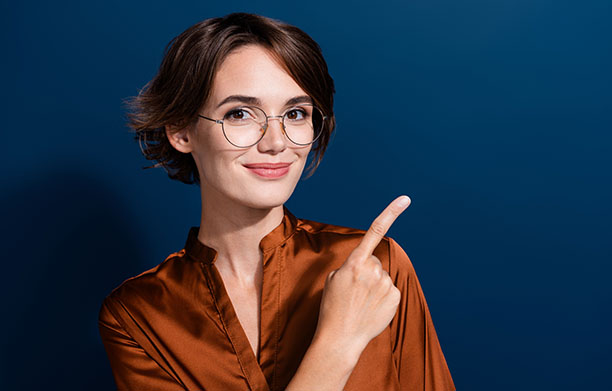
pixel 245 126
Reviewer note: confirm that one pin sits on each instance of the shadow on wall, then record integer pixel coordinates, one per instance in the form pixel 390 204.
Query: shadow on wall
pixel 68 241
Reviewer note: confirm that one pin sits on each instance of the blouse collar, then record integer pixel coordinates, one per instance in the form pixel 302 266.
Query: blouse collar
pixel 200 252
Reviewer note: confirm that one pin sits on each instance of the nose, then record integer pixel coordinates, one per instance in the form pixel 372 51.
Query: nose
pixel 274 140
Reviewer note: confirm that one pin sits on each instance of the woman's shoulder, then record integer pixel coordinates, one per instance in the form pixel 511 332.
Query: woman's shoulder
pixel 333 235
pixel 316 228
pixel 154 281
pixel 389 251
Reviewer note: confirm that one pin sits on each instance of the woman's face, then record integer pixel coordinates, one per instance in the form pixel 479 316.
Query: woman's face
pixel 247 72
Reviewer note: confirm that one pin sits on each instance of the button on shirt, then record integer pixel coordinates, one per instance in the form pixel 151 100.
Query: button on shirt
pixel 173 327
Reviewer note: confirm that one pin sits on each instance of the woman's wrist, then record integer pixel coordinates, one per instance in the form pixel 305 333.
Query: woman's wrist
pixel 326 366
pixel 347 351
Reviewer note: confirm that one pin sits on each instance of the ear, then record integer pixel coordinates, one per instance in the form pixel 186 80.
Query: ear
pixel 179 138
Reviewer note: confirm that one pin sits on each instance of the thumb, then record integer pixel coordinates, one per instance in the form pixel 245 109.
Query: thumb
pixel 328 280
pixel 331 274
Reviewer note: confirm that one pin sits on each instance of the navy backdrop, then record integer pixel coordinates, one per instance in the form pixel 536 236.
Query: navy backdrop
pixel 493 116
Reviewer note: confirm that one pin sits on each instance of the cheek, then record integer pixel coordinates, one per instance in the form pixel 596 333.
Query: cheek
pixel 213 158
pixel 217 166
pixel 303 153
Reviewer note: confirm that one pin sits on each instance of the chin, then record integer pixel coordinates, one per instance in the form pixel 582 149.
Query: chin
pixel 263 204
pixel 266 198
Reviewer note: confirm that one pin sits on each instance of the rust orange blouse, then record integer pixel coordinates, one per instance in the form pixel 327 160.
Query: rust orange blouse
pixel 173 327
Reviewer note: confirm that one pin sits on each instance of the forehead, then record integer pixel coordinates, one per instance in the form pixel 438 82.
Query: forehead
pixel 253 71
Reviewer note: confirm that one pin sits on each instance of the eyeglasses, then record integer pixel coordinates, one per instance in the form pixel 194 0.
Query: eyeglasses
pixel 245 126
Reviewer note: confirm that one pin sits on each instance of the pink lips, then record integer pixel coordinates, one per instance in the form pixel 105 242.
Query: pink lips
pixel 269 170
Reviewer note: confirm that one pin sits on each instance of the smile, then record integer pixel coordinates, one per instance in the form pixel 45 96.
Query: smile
pixel 269 170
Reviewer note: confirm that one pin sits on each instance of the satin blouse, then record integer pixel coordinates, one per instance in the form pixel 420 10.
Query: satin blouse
pixel 173 327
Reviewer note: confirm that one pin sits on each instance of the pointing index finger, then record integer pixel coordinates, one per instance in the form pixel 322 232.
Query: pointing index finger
pixel 381 225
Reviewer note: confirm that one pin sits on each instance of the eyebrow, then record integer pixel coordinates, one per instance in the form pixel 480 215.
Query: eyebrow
pixel 251 100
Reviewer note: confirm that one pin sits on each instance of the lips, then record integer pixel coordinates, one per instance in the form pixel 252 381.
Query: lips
pixel 268 170
pixel 271 166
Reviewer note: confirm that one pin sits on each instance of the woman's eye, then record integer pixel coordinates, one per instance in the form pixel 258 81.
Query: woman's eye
pixel 296 114
pixel 237 115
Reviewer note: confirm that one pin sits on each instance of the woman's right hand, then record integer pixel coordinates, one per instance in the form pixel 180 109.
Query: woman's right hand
pixel 359 299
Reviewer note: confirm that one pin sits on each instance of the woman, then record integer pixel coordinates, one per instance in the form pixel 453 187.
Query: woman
pixel 259 299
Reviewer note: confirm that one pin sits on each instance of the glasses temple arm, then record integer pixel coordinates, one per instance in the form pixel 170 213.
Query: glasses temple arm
pixel 211 119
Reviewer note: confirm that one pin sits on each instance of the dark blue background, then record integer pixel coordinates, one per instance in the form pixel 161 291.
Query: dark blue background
pixel 493 116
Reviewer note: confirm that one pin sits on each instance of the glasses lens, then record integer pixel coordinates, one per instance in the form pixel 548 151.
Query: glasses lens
pixel 303 124
pixel 243 126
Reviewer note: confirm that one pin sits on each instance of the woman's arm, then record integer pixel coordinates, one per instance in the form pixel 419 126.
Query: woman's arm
pixel 325 367
pixel 359 301
pixel 133 368
pixel 417 353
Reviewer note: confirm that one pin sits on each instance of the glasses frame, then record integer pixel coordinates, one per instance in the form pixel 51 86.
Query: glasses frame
pixel 265 125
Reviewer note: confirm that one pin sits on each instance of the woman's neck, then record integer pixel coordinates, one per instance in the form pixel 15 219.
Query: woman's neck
pixel 235 230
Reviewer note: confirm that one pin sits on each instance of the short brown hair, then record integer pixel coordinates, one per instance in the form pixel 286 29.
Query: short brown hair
pixel 182 85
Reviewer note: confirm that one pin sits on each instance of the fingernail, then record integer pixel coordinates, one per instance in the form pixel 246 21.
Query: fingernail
pixel 405 200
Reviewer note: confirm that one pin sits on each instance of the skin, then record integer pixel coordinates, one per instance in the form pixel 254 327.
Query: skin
pixel 359 299
pixel 237 205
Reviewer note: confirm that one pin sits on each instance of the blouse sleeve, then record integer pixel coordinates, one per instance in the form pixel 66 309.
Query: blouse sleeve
pixel 417 354
pixel 133 368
